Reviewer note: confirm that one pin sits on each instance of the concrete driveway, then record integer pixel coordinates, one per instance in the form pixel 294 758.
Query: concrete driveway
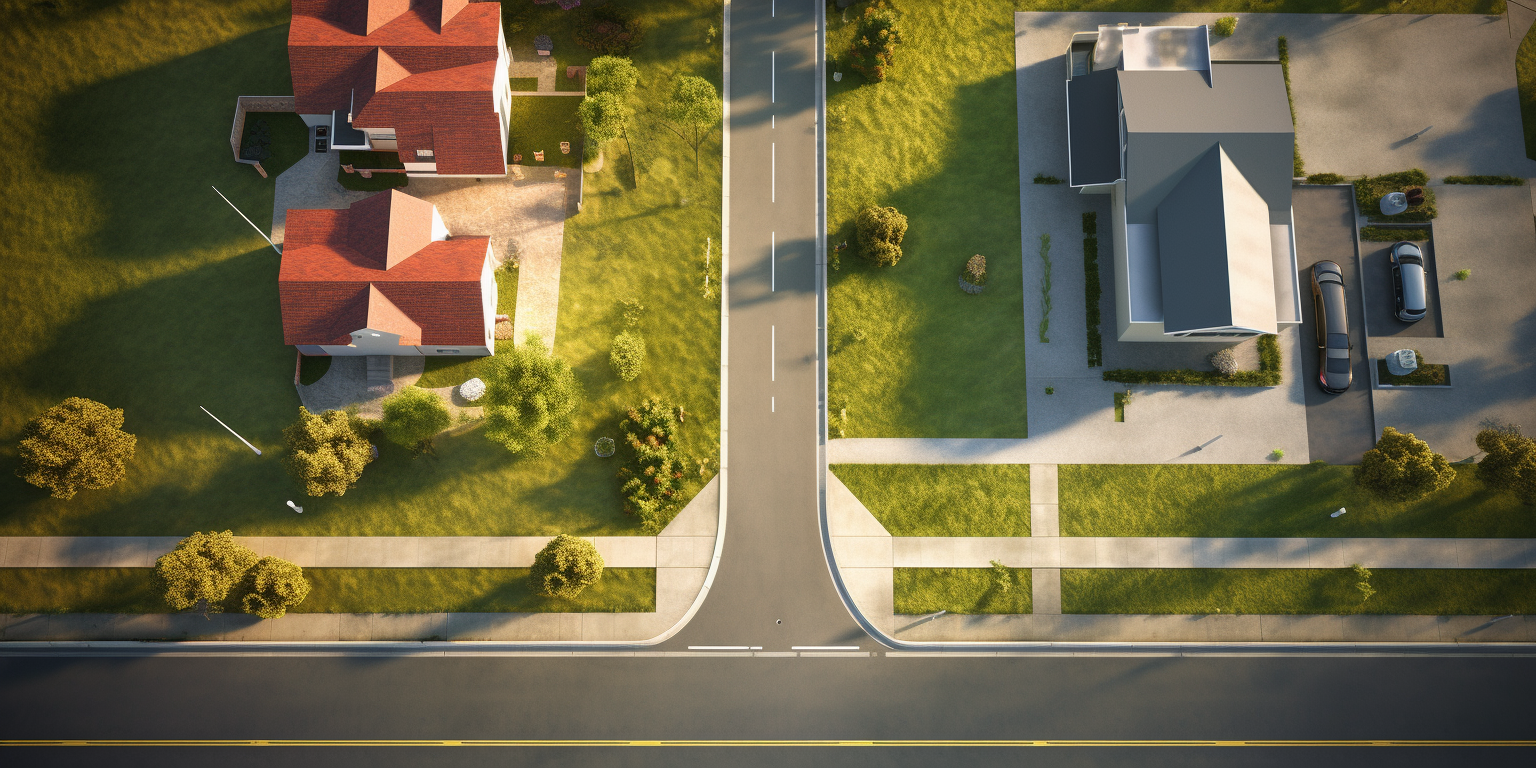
pixel 1339 427
pixel 1381 297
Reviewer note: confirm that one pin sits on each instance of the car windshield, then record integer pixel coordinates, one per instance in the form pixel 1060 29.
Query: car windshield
pixel 1338 365
pixel 1338 341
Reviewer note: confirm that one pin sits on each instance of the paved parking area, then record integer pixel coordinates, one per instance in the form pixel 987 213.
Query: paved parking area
pixel 1380 297
pixel 1339 427
pixel 1489 321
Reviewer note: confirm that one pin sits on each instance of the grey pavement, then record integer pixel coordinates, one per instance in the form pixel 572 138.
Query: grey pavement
pixel 1339 427
pixel 1489 321
pixel 309 183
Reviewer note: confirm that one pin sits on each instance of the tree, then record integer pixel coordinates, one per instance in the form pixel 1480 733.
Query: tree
pixel 874 42
pixel 530 395
pixel 653 469
pixel 271 587
pixel 880 232
pixel 693 111
pixel 603 117
pixel 627 355
pixel 1510 465
pixel 412 417
pixel 566 566
pixel 76 445
pixel 612 74
pixel 203 571
pixel 325 452
pixel 1402 468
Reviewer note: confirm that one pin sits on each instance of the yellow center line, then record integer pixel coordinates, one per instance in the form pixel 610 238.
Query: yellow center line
pixel 1334 743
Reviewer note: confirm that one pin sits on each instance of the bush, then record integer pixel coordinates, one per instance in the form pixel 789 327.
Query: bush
pixel 611 30
pixel 603 116
pixel 325 452
pixel 652 476
pixel 612 74
pixel 1041 178
pixel 566 566
pixel 76 445
pixel 1510 463
pixel 1091 289
pixel 1392 234
pixel 1503 180
pixel 1224 361
pixel 529 397
pixel 1462 274
pixel 879 232
pixel 1268 374
pixel 413 416
pixel 1325 178
pixel 975 271
pixel 204 571
pixel 271 587
pixel 1224 26
pixel 627 355
pixel 874 42
pixel 1402 468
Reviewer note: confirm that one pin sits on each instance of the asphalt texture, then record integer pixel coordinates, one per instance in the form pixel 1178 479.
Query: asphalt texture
pixel 1339 427
pixel 772 570
pixel 1380 298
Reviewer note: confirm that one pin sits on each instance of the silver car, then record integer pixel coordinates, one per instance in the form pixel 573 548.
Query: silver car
pixel 1408 281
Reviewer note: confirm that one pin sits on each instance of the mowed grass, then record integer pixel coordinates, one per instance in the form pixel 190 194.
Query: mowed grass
pixel 336 590
pixel 1525 82
pixel 1267 500
pixel 125 279
pixel 1437 592
pixel 943 499
pixel 910 354
pixel 540 123
pixel 960 590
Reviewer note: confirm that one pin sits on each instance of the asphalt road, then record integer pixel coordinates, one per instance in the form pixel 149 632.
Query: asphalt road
pixel 772 570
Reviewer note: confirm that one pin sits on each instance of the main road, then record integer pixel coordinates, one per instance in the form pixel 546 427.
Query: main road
pixel 772 591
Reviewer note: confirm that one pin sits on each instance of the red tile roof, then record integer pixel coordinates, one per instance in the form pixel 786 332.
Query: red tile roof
pixel 427 70
pixel 374 266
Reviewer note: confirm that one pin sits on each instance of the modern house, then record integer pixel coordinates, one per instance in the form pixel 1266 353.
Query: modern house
pixel 424 78
pixel 1196 156
pixel 384 277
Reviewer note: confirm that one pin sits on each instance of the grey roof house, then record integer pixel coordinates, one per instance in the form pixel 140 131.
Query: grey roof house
pixel 1196 156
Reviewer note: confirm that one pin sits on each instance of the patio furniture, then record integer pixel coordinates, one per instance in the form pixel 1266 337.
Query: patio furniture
pixel 543 44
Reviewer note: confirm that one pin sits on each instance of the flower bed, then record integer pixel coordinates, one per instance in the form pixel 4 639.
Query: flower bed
pixel 1268 374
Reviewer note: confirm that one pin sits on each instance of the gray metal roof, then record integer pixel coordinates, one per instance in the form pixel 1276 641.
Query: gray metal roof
pixel 1093 128
pixel 1241 97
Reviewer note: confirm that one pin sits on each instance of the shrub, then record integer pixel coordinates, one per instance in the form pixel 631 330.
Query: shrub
pixel 1462 274
pixel 1045 288
pixel 1325 178
pixel 203 571
pixel 633 311
pixel 975 271
pixel 879 232
pixel 627 355
pixel 1224 26
pixel 1510 463
pixel 1002 577
pixel 652 475
pixel 76 445
pixel 529 397
pixel 1224 361
pixel 1277 454
pixel 1504 180
pixel 874 42
pixel 412 417
pixel 1298 168
pixel 611 30
pixel 1041 178
pixel 325 452
pixel 612 74
pixel 271 587
pixel 1402 468
pixel 566 566
pixel 1392 234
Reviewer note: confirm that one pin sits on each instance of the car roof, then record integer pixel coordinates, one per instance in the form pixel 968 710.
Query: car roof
pixel 1413 287
pixel 1405 247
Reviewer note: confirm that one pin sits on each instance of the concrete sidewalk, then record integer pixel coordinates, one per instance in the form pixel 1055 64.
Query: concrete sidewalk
pixel 1183 552
pixel 681 555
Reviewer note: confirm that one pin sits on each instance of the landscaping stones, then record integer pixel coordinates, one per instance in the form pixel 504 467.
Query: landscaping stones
pixel 472 390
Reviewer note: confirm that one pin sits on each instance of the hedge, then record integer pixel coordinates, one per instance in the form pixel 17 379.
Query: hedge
pixel 1502 180
pixel 1268 374
pixel 1091 288
pixel 1392 235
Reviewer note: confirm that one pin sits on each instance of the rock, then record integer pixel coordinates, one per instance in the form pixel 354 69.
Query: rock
pixel 472 390
pixel 1393 203
pixel 1402 362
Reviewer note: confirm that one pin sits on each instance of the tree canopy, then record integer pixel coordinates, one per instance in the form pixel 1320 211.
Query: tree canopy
pixel 76 445
pixel 325 452
pixel 1510 463
pixel 566 566
pixel 603 117
pixel 1402 468
pixel 203 571
pixel 530 398
pixel 271 587
pixel 612 74
pixel 693 111
pixel 413 416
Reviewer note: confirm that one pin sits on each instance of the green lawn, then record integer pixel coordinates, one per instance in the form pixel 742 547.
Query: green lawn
pixel 1525 81
pixel 1267 500
pixel 123 278
pixel 335 590
pixel 943 499
pixel 541 123
pixel 960 590
pixel 1440 592
pixel 288 139
pixel 447 371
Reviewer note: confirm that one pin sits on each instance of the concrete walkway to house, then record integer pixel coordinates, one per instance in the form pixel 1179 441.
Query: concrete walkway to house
pixel 681 555
pixel 866 556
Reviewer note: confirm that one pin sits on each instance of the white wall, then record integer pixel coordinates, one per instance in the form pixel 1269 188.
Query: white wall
pixel 371 342
pixel 489 299
pixel 317 120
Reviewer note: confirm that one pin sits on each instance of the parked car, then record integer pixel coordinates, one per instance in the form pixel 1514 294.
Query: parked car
pixel 1331 313
pixel 1408 281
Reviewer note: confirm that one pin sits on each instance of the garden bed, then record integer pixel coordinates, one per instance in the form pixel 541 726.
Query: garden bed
pixel 1268 375
pixel 1426 375
pixel 1370 189
pixel 960 590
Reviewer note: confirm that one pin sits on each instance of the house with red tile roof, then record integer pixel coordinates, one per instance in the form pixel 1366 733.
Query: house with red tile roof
pixel 384 277
pixel 424 78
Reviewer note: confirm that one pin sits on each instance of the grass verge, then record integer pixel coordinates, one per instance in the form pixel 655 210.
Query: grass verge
pixel 1392 234
pixel 1305 591
pixel 1264 500
pixel 942 499
pixel 960 590
pixel 1298 168
pixel 335 590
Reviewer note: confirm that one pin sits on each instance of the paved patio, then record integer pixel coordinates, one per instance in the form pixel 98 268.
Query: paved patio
pixel 346 384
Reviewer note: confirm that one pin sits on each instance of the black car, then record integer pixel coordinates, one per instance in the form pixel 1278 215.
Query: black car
pixel 1408 281
pixel 1332 316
